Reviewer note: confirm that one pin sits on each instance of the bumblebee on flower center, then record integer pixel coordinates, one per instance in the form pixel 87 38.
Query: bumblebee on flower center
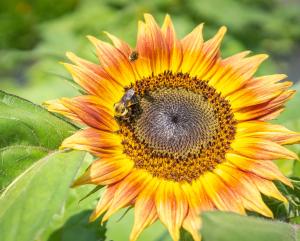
pixel 177 127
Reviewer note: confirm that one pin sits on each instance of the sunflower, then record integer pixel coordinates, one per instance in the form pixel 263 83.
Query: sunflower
pixel 176 129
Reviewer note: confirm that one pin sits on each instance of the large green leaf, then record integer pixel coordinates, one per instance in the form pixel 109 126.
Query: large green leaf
pixel 72 222
pixel 78 228
pixel 29 203
pixel 28 132
pixel 222 226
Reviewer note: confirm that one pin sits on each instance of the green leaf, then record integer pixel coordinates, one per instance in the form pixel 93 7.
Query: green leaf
pixel 222 226
pixel 65 223
pixel 28 132
pixel 29 203
pixel 78 228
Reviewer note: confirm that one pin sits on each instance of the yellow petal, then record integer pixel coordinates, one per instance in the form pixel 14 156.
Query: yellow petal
pixel 247 191
pixel 172 207
pixel 263 168
pixel 211 54
pixel 94 140
pixel 106 171
pixel 258 148
pixel 144 209
pixel 114 62
pixel 105 201
pixel 272 132
pixel 267 187
pixel 222 197
pixel 192 49
pixel 128 190
pixel 173 44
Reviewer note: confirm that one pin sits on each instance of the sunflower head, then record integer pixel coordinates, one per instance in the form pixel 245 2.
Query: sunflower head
pixel 176 129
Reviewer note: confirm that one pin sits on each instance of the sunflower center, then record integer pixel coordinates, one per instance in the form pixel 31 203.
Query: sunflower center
pixel 176 122
pixel 178 128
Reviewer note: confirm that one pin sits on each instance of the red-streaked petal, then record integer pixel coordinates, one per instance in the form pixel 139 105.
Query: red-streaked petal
pixel 192 223
pixel 94 84
pixel 105 201
pixel 91 67
pixel 106 171
pixel 172 207
pixel 265 111
pixel 255 95
pixel 258 148
pixel 231 60
pixel 267 80
pixel 266 169
pixel 57 107
pixel 232 77
pixel 151 45
pixel 144 209
pixel 211 54
pixel 272 132
pixel 240 183
pixel 223 198
pixel 128 190
pixel 202 201
pixel 90 111
pixel 192 49
pixel 94 141
pixel 115 63
pixel 124 47
pixel 267 187
pixel 174 46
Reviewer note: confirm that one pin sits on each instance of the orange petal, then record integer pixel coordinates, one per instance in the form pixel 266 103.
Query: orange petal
pixel 235 58
pixel 114 62
pixel 94 84
pixel 144 209
pixel 172 207
pixel 57 107
pixel 197 197
pixel 124 47
pixel 258 148
pixel 247 191
pixel 267 187
pixel 94 140
pixel 151 45
pixel 236 74
pixel 267 80
pixel 106 171
pixel 222 197
pixel 264 111
pixel 192 49
pixel 173 45
pixel 266 169
pixel 211 54
pixel 272 132
pixel 192 223
pixel 90 111
pixel 91 67
pixel 128 190
pixel 105 201
pixel 249 96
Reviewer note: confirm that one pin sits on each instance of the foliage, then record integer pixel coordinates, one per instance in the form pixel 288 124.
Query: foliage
pixel 28 133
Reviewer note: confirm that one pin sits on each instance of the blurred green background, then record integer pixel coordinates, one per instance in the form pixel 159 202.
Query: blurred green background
pixel 35 34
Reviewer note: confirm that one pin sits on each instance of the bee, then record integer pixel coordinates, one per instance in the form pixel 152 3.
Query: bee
pixel 129 99
pixel 134 55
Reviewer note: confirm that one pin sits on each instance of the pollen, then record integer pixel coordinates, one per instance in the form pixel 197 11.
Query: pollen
pixel 179 128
